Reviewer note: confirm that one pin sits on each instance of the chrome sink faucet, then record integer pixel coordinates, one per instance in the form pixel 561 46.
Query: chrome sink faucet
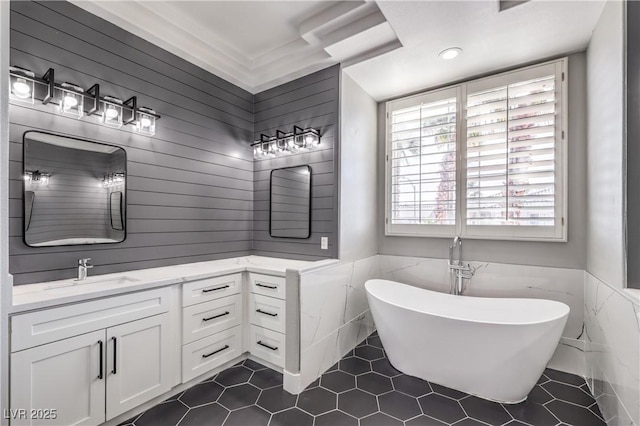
pixel 457 270
pixel 83 266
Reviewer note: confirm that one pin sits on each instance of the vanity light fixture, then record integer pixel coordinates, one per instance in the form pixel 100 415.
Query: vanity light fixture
pixel 146 121
pixel 311 138
pixel 25 87
pixel 71 100
pixel 299 140
pixel 450 53
pixel 37 177
pixel 21 84
pixel 112 112
pixel 113 179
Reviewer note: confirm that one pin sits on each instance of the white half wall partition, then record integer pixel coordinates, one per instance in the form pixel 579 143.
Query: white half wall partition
pixel 334 316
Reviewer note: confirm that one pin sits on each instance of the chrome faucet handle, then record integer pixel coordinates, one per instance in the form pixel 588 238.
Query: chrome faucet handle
pixel 466 276
pixel 84 262
pixel 457 267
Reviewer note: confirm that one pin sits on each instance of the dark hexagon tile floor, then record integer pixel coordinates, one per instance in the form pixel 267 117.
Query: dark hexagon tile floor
pixel 364 389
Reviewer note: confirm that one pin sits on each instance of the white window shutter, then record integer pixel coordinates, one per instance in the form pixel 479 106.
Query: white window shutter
pixel 422 163
pixel 484 159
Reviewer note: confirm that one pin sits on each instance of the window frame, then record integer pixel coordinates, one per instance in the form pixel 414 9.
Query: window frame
pixel 556 233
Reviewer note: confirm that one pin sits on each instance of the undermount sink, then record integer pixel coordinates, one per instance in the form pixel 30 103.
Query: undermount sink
pixel 121 280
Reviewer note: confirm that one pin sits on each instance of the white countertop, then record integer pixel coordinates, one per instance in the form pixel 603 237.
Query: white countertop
pixel 47 294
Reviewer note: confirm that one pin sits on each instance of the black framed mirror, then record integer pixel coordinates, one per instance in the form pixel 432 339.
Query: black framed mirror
pixel 74 191
pixel 290 202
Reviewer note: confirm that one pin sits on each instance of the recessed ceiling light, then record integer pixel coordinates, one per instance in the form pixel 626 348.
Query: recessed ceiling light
pixel 450 53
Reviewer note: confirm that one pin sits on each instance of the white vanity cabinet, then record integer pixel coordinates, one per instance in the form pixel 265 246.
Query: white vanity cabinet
pixel 137 363
pixel 212 323
pixel 267 317
pixel 97 371
pixel 88 362
pixel 61 376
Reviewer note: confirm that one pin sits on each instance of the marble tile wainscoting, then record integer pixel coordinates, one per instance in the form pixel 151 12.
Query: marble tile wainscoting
pixel 334 313
pixel 612 335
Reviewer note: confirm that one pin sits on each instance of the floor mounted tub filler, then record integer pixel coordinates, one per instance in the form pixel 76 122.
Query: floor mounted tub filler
pixel 493 348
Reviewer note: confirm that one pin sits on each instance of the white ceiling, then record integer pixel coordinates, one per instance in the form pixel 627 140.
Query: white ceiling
pixel 255 44
pixel 490 40
pixel 389 47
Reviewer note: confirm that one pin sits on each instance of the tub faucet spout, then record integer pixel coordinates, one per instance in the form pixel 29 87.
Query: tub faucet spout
pixel 457 270
pixel 457 244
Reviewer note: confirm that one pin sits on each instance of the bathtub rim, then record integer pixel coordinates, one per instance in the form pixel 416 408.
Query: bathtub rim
pixel 566 309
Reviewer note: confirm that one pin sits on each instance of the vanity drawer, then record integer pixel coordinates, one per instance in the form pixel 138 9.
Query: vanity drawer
pixel 208 353
pixel 267 285
pixel 49 325
pixel 267 312
pixel 210 288
pixel 268 345
pixel 207 318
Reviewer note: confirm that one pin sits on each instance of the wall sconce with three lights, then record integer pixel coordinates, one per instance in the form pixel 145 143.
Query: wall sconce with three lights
pixel 37 177
pixel 300 140
pixel 113 179
pixel 72 100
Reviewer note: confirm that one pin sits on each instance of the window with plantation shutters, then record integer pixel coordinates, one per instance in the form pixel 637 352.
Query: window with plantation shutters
pixel 484 159
pixel 422 158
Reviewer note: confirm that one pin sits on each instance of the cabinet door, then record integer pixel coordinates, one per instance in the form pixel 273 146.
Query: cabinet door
pixel 138 357
pixel 66 376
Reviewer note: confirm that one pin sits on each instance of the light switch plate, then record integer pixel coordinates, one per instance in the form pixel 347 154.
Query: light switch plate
pixel 324 243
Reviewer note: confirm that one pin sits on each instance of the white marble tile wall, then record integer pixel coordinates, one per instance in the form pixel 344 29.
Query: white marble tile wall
pixel 505 280
pixel 332 297
pixel 317 358
pixel 334 314
pixel 612 334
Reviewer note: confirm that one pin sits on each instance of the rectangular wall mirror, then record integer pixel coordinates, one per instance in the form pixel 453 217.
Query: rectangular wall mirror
pixel 290 202
pixel 74 191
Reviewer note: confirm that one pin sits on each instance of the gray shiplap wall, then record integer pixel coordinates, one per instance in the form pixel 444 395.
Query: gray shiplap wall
pixel 310 101
pixel 190 187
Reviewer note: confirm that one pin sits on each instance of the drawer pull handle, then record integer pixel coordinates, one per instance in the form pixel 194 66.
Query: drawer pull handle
pixel 207 290
pixel 115 355
pixel 272 287
pixel 266 313
pixel 216 316
pixel 101 349
pixel 215 352
pixel 273 348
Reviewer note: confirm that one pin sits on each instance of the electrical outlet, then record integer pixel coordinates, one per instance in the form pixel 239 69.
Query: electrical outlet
pixel 324 243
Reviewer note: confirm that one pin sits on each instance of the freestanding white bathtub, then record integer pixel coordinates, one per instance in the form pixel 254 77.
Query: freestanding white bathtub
pixel 489 347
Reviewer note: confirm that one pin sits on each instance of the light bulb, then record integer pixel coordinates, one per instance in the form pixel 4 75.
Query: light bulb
pixel 21 89
pixel 309 139
pixel 70 101
pixel 145 122
pixel 27 178
pixel 111 112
